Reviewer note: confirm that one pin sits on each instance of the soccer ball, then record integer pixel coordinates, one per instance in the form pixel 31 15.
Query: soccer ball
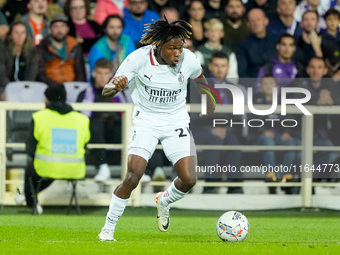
pixel 232 226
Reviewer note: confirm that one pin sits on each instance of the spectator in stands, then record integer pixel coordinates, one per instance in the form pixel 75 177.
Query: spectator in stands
pixel 196 12
pixel 309 43
pixel 283 68
pixel 60 56
pixel 331 46
pixel 189 44
pixel 214 9
pixel 114 46
pixel 205 134
pixel 268 135
pixel 235 25
pixel 86 31
pixel 170 13
pixel 14 7
pixel 18 58
pixel 105 127
pixel 320 7
pixel 284 21
pixel 257 49
pixel 159 5
pixel 331 37
pixel 267 6
pixel 136 15
pixel 3 26
pixel 214 32
pixel 322 93
pixel 36 24
pixel 55 145
pixel 332 19
pixel 105 8
pixel 54 7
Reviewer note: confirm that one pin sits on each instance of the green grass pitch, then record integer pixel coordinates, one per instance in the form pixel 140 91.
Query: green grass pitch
pixel 191 232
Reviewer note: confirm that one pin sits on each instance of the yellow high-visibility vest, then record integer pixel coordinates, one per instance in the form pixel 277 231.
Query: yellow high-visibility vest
pixel 61 144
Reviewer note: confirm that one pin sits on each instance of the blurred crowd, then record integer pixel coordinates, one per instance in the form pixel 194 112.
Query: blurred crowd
pixel 263 44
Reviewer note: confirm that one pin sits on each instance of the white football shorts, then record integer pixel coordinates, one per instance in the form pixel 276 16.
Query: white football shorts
pixel 177 142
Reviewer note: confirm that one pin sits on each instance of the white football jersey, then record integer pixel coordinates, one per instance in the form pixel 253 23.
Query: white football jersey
pixel 159 91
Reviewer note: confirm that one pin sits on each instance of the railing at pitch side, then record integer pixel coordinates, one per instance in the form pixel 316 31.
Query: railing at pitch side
pixel 306 146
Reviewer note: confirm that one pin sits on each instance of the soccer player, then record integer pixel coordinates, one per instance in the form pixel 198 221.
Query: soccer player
pixel 157 75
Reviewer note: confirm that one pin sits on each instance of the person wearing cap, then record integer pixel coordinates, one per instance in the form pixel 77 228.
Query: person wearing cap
pixel 36 24
pixel 60 56
pixel 55 144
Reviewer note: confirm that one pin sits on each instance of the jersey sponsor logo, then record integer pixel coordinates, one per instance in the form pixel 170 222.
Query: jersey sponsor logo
pixel 160 95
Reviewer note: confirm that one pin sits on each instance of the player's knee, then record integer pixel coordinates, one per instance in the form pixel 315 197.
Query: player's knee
pixel 131 180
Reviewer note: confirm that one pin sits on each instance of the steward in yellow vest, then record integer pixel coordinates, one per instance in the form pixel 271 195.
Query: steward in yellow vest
pixel 56 142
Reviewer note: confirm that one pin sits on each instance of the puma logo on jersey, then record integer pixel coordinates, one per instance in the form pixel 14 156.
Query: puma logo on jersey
pixel 148 77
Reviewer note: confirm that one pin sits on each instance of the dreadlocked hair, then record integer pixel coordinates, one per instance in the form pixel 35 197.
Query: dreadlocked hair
pixel 162 31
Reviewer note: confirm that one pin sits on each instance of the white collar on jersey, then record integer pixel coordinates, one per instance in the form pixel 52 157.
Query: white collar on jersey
pixel 154 62
pixel 153 59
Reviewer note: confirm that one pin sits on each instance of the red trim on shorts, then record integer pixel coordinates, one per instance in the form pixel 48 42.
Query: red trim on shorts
pixel 199 75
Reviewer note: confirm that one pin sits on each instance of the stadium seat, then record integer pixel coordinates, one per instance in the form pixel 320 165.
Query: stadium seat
pixel 73 89
pixel 18 122
pixel 25 91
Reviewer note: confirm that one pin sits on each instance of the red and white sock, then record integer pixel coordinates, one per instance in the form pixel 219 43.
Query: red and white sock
pixel 171 195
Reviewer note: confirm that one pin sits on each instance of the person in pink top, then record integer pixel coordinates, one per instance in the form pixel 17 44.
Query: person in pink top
pixel 105 8
pixel 86 31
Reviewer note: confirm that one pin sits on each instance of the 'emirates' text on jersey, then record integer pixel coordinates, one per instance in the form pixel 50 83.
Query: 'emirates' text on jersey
pixel 159 90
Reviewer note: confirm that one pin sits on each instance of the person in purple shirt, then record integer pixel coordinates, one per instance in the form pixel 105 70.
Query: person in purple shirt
pixel 136 15
pixel 86 31
pixel 282 67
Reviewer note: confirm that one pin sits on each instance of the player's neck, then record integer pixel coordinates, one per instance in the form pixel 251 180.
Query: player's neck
pixel 158 57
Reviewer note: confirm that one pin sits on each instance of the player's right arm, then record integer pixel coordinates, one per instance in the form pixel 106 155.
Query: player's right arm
pixel 116 85
pixel 125 73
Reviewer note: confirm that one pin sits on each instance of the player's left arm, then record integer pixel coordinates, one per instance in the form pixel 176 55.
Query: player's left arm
pixel 196 74
pixel 198 83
